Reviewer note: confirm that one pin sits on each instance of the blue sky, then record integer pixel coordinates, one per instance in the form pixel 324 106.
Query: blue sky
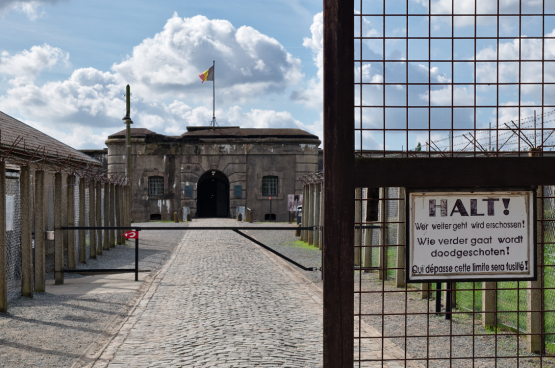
pixel 64 65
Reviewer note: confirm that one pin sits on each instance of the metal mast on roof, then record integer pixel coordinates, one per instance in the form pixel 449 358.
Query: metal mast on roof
pixel 213 124
pixel 128 122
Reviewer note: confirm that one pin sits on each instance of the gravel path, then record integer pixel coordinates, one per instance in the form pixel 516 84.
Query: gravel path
pixel 54 330
pixel 483 343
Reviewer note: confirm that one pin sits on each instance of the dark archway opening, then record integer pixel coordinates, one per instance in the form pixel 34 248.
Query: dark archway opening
pixel 213 195
pixel 155 217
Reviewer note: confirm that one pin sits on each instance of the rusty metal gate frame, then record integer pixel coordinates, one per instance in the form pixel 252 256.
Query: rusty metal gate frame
pixel 346 169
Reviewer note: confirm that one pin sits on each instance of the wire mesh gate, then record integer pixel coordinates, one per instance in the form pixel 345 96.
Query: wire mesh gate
pixel 454 93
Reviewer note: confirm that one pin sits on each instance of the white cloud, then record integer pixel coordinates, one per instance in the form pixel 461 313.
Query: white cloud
pixel 163 72
pixel 29 7
pixel 313 95
pixel 248 63
pixel 29 63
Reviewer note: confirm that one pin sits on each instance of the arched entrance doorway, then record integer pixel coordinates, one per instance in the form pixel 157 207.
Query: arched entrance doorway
pixel 213 195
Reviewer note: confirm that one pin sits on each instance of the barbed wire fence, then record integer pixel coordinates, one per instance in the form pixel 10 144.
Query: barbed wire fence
pixel 17 152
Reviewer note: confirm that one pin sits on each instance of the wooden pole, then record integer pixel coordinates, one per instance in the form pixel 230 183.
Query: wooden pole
pixel 339 187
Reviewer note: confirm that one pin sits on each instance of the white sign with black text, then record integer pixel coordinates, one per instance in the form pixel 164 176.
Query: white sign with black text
pixel 471 235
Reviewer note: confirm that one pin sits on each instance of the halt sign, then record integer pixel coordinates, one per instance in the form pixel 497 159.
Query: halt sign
pixel 478 236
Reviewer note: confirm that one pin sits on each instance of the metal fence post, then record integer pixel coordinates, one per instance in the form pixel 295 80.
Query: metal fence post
pixel 112 216
pixel 39 233
pixel 82 233
pixel 26 243
pixel 58 235
pixel 534 291
pixel 71 221
pixel 98 203
pixel 400 271
pixel 3 242
pixel 358 222
pixel 382 250
pixel 92 220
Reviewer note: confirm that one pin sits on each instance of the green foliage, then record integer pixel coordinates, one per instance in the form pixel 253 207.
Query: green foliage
pixel 418 147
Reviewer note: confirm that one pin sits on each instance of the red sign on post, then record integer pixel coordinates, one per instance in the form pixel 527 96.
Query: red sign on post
pixel 131 234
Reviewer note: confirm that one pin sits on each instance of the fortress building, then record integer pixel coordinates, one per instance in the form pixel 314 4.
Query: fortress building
pixel 214 172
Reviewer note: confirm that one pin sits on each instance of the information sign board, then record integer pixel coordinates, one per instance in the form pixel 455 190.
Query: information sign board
pixel 464 235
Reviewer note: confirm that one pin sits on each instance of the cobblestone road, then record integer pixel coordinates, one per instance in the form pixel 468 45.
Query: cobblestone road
pixel 221 301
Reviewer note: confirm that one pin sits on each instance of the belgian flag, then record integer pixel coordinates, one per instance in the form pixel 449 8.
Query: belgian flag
pixel 208 75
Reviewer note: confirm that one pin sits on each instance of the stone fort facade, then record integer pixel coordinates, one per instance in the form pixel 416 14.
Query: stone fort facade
pixel 214 172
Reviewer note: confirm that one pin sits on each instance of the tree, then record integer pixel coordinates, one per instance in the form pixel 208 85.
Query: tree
pixel 418 147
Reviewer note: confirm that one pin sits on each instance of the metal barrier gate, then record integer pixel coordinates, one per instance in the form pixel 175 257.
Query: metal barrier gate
pixel 444 94
pixel 236 230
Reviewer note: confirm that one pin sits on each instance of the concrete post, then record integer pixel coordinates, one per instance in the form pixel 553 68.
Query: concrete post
pixel 98 202
pixel 358 223
pixel 321 215
pixel 317 210
pixel 112 215
pixel 382 257
pixel 58 234
pixel 310 218
pixel 106 218
pixel 304 219
pixel 82 233
pixel 26 244
pixel 425 291
pixel 92 220
pixel 3 242
pixel 118 213
pixel 489 304
pixel 400 272
pixel 71 221
pixel 534 292
pixel 368 236
pixel 40 270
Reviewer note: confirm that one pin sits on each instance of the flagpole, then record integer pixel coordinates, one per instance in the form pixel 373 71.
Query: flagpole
pixel 214 94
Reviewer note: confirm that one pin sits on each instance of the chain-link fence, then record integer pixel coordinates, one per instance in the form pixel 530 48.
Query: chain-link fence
pixel 13 232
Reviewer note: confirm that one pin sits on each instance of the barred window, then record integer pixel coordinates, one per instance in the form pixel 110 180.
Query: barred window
pixel 269 186
pixel 156 186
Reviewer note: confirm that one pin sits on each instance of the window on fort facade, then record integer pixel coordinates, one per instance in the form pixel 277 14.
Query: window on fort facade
pixel 269 186
pixel 156 186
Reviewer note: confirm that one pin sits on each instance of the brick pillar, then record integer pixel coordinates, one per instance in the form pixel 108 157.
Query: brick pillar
pixel 58 235
pixel 92 219
pixel 400 272
pixel 317 212
pixel 98 210
pixel 70 221
pixel 40 271
pixel 82 233
pixel 26 244
pixel 112 216
pixel 534 292
pixel 3 242
pixel 358 222
pixel 382 258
